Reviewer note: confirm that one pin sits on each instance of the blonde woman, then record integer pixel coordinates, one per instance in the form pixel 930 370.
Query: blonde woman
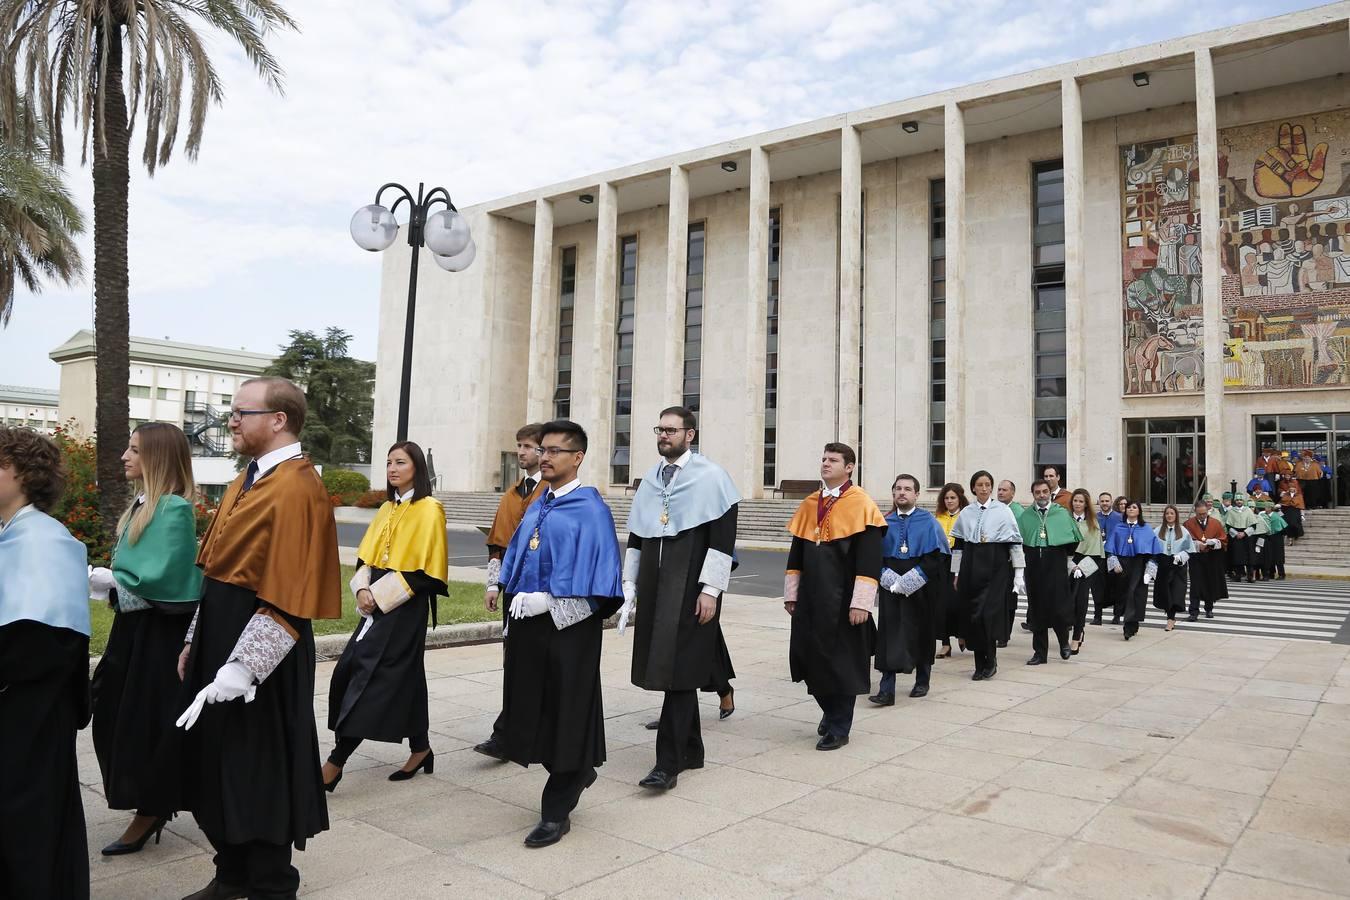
pixel 153 587
pixel 948 617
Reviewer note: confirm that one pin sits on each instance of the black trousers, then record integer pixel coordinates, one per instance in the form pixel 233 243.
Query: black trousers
pixel 264 870
pixel 1040 638
pixel 922 674
pixel 1011 606
pixel 838 712
pixel 1098 585
pixel 562 791
pixel 986 660
pixel 679 740
pixel 346 746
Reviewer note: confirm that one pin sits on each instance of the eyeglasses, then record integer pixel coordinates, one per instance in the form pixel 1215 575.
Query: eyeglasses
pixel 551 452
pixel 668 432
pixel 237 415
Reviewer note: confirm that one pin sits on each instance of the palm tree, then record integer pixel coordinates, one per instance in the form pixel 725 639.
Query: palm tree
pixel 38 218
pixel 86 59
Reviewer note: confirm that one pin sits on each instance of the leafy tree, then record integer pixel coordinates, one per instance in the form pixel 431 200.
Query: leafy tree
pixel 98 64
pixel 38 218
pixel 340 392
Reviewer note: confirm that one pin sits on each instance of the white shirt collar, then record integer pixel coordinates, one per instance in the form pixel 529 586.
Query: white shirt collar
pixel 831 491
pixel 566 489
pixel 16 517
pixel 269 461
pixel 404 498
pixel 681 462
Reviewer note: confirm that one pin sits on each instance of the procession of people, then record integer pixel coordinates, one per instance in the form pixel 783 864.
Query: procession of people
pixel 199 626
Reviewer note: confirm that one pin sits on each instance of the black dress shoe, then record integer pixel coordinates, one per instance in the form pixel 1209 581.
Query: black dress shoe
pixel 1002 644
pixel 978 675
pixel 919 690
pixel 121 848
pixel 821 729
pixel 881 699
pixel 1036 660
pixel 1209 614
pixel 218 890
pixel 1026 626
pixel 659 780
pixel 546 833
pixel 491 748
pixel 1096 620
pixel 990 672
pixel 1064 651
pixel 427 762
pixel 1115 621
pixel 1192 618
pixel 831 742
pixel 653 725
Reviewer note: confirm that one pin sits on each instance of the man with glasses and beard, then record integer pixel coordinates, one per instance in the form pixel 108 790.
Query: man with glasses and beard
pixel 681 538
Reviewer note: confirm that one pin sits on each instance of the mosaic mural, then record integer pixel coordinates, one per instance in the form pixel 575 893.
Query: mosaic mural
pixel 1285 249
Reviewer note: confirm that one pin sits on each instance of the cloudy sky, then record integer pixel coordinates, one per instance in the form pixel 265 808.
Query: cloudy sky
pixel 490 97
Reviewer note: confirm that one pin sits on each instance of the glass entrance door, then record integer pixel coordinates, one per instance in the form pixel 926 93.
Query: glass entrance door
pixel 1327 435
pixel 1165 460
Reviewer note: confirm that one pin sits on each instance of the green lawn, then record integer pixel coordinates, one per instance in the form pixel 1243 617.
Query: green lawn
pixel 465 604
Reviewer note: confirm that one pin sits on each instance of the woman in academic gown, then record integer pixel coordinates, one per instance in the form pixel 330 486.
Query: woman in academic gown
pixel 1240 521
pixel 947 614
pixel 1088 572
pixel 988 561
pixel 379 686
pixel 44 672
pixel 1131 551
pixel 1169 592
pixel 1268 555
pixel 153 587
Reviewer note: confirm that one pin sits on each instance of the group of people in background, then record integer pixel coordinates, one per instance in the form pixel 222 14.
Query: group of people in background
pixel 199 625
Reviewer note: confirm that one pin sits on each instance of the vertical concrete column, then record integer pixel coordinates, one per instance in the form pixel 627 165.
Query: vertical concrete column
pixel 1207 133
pixel 1075 280
pixel 750 475
pixel 599 400
pixel 848 409
pixel 543 318
pixel 677 264
pixel 955 190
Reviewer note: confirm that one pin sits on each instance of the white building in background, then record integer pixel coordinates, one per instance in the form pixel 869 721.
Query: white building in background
pixel 188 385
pixel 1135 266
pixel 36 408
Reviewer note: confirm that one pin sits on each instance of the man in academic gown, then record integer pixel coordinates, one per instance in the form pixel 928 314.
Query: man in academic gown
pixel 1107 518
pixel 1207 560
pixel 988 562
pixel 1007 490
pixel 829 591
pixel 1058 493
pixel 1240 522
pixel 250 769
pixel 1049 536
pixel 681 537
pixel 510 510
pixel 561 579
pixel 916 556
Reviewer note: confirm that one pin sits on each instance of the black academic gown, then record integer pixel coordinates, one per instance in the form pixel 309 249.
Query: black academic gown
pixel 905 624
pixel 1049 601
pixel 1169 589
pixel 135 692
pixel 982 586
pixel 671 650
pixel 825 651
pixel 44 701
pixel 379 687
pixel 251 770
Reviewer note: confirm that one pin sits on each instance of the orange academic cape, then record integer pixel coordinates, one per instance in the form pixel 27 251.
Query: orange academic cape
pixel 510 511
pixel 849 515
pixel 279 541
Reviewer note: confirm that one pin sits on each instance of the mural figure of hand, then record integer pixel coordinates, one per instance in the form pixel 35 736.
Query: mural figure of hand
pixel 1286 170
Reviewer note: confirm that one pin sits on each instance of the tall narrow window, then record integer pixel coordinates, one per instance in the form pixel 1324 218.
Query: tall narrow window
pixel 693 321
pixel 771 356
pixel 623 359
pixel 862 317
pixel 1048 296
pixel 937 331
pixel 567 301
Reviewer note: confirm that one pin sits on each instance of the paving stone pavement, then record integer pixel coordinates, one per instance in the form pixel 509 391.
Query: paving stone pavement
pixel 1173 766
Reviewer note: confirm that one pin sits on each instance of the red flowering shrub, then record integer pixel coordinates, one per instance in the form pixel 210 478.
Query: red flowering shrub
pixel 203 510
pixel 370 500
pixel 78 509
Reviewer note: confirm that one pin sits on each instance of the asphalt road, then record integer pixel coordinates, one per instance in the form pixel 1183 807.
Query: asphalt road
pixel 760 572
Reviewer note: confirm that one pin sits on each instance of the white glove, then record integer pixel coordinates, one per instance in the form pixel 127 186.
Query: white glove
pixel 890 580
pixel 1148 578
pixel 1150 572
pixel 1181 558
pixel 523 606
pixel 1214 543
pixel 629 604
pixel 233 680
pixel 100 582
pixel 1019 583
pixel 1077 572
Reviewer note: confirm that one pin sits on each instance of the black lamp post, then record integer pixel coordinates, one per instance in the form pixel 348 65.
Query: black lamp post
pixel 445 234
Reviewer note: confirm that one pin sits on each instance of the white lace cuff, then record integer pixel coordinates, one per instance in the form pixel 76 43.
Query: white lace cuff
pixel 568 611
pixel 716 570
pixel 1017 557
pixel 631 557
pixel 956 562
pixel 494 575
pixel 390 592
pixel 791 582
pixel 864 594
pixel 361 580
pixel 129 601
pixel 192 627
pixel 262 646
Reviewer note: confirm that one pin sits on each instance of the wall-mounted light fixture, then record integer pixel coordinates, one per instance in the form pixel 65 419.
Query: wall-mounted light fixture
pixel 587 198
pixel 728 165
pixel 910 127
pixel 1140 79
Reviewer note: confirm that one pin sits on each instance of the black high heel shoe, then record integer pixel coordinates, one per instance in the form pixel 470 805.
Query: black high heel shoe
pixel 722 713
pixel 121 848
pixel 332 785
pixel 428 763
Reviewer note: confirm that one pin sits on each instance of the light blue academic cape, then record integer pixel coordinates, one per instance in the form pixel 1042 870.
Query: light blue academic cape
pixel 44 573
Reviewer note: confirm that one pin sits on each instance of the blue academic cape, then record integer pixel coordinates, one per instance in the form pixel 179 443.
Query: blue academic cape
pixel 44 573
pixel 1107 521
pixel 1145 543
pixel 920 533
pixel 578 553
pixel 701 492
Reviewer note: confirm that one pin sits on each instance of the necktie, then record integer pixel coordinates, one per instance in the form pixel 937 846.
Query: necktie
pixel 668 473
pixel 527 488
pixel 251 475
pixel 550 498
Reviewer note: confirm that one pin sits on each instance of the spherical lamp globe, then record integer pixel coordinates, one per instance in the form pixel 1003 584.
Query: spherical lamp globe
pixel 446 233
pixel 374 228
pixel 460 261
